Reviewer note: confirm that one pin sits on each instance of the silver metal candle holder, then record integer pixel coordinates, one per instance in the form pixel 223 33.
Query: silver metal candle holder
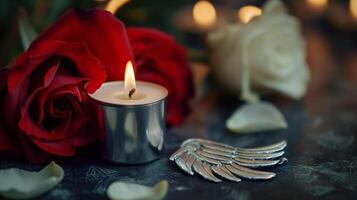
pixel 134 134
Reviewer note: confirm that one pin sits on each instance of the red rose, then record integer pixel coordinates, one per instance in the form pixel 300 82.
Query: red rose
pixel 161 60
pixel 44 106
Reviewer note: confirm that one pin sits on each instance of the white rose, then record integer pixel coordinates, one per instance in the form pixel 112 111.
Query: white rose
pixel 268 53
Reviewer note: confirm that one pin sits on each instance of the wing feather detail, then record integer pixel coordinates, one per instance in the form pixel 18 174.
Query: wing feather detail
pixel 214 156
pixel 249 174
pixel 255 163
pixel 197 166
pixel 177 153
pixel 262 156
pixel 223 172
pixel 189 162
pixel 208 158
pixel 219 153
pixel 181 163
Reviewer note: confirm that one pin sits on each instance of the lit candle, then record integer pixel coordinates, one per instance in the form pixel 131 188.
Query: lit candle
pixel 129 80
pixel 121 92
pixel 204 14
pixel 317 5
pixel 247 13
pixel 113 5
pixel 134 119
pixel 353 9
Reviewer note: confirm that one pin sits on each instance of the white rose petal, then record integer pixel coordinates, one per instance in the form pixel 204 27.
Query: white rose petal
pixel 21 184
pixel 266 54
pixel 254 117
pixel 128 191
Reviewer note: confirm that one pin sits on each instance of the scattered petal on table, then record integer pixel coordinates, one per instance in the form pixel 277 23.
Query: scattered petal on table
pixel 128 191
pixel 253 117
pixel 20 184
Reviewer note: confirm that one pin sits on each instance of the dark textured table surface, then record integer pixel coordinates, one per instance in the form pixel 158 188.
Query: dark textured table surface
pixel 322 146
pixel 321 151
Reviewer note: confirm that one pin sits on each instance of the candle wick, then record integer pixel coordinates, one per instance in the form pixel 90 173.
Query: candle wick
pixel 131 92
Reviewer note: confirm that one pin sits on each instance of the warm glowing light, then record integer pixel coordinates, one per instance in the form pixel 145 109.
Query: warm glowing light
pixel 319 5
pixel 353 8
pixel 114 5
pixel 204 14
pixel 247 13
pixel 129 79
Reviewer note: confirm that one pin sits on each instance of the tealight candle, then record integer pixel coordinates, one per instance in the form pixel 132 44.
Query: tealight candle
pixel 247 13
pixel 204 14
pixel 353 9
pixel 318 5
pixel 134 118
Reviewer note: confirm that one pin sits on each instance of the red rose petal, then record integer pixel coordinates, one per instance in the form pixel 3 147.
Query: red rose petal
pixel 59 148
pixel 104 35
pixel 27 124
pixel 26 121
pixel 57 91
pixel 31 151
pixel 86 64
pixel 71 133
pixel 146 35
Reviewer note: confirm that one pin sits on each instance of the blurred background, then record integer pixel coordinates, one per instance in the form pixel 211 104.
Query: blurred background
pixel 329 26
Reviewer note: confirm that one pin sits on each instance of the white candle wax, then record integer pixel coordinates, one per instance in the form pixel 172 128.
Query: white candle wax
pixel 113 93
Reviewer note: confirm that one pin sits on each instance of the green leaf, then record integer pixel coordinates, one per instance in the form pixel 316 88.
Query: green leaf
pixel 27 33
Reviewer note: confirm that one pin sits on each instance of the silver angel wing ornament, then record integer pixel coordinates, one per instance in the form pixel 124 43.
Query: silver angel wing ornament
pixel 214 160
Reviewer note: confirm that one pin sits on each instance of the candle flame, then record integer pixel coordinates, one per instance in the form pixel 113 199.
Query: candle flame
pixel 204 14
pixel 247 13
pixel 353 8
pixel 318 5
pixel 114 5
pixel 129 79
